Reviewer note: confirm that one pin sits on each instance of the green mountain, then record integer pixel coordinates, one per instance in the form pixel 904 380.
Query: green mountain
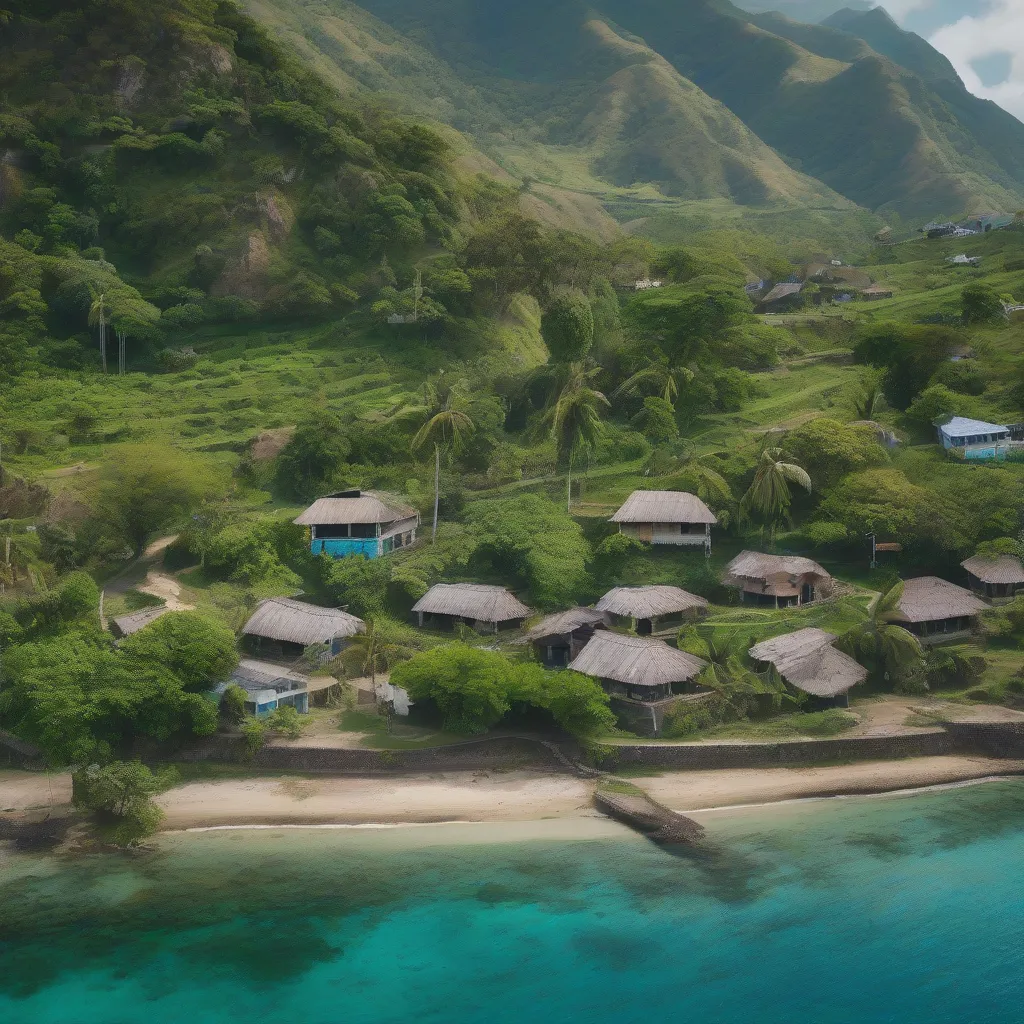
pixel 179 142
pixel 685 101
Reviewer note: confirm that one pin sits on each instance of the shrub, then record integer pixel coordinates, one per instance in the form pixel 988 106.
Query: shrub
pixel 120 795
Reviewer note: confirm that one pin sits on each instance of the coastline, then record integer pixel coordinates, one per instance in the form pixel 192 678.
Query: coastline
pixel 517 796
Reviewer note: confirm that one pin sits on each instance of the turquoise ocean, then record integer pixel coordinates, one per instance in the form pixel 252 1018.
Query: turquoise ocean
pixel 903 909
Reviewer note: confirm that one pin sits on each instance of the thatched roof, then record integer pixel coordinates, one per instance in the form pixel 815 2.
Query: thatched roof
pixel 807 660
pixel 472 601
pixel 355 507
pixel 281 618
pixel 1004 569
pixel 648 602
pixel 126 625
pixel 929 599
pixel 564 623
pixel 664 507
pixel 635 660
pixel 756 565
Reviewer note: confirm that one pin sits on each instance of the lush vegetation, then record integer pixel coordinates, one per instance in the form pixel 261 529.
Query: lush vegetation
pixel 314 295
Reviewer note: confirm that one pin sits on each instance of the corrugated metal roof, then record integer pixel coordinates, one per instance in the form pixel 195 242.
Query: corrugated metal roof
pixel 563 623
pixel 1004 569
pixel 929 599
pixel 281 618
pixel 664 507
pixel 635 660
pixel 783 291
pixel 255 676
pixel 126 625
pixel 960 426
pixel 368 507
pixel 649 602
pixel 479 601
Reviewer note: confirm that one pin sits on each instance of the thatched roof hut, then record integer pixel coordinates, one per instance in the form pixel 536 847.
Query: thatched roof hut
pixel 646 607
pixel 998 579
pixel 473 603
pixel 934 608
pixel 807 660
pixel 297 622
pixel 355 507
pixel 127 625
pixel 559 638
pixel 776 579
pixel 666 517
pixel 636 661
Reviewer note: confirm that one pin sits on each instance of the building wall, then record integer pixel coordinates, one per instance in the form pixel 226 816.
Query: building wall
pixel 665 533
pixel 344 547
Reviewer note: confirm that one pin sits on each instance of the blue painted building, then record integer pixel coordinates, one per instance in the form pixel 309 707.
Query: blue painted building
pixel 269 687
pixel 977 439
pixel 359 523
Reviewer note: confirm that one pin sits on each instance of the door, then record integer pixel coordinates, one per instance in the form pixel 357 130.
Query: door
pixel 646 532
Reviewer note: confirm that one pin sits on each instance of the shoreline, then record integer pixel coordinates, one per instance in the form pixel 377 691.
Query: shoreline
pixel 367 803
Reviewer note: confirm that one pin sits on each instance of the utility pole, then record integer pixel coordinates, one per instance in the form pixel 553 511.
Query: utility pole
pixel 417 294
pixel 874 550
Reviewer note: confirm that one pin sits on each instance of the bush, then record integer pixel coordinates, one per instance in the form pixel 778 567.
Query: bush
pixel 120 795
pixel 254 735
pixel 287 720
pixel 232 704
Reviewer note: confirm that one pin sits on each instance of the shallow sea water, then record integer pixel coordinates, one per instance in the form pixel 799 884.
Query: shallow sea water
pixel 903 909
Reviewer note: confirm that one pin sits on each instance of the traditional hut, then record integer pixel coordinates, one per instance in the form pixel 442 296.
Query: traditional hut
pixel 643 676
pixel 650 609
pixel 559 638
pixel 935 610
pixel 778 580
pixel 283 628
pixel 666 517
pixel 359 523
pixel 127 625
pixel 479 605
pixel 999 579
pixel 807 661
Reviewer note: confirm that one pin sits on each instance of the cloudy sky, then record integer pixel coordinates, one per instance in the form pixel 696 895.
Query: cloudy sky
pixel 983 38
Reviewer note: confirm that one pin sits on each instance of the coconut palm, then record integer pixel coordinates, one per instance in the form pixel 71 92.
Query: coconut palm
pixel 446 427
pixel 867 397
pixel 99 313
pixel 379 648
pixel 769 494
pixel 886 649
pixel 655 378
pixel 574 419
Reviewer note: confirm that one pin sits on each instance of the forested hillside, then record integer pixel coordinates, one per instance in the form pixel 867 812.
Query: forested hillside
pixel 622 95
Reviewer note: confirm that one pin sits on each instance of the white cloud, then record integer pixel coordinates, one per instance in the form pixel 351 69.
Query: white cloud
pixel 999 31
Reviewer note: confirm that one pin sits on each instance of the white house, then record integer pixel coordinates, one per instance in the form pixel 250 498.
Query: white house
pixel 978 439
pixel 666 517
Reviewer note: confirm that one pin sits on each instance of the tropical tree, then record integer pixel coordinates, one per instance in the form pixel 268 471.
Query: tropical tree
pixel 567 327
pixel 890 652
pixel 769 494
pixel 656 378
pixel 446 427
pixel 99 313
pixel 574 420
pixel 384 644
pixel 867 396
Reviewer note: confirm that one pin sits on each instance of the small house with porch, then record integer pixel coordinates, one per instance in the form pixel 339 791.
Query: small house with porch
pixel 284 629
pixel 666 517
pixel 651 609
pixel 481 606
pixel 935 610
pixel 558 639
pixel 780 581
pixel 359 523
pixel 269 687
pixel 998 579
pixel 978 439
pixel 644 677
pixel 808 662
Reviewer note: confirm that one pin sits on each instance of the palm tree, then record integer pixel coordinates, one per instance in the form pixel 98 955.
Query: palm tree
pixel 867 397
pixel 887 649
pixel 574 420
pixel 656 378
pixel 446 427
pixel 384 643
pixel 98 312
pixel 769 494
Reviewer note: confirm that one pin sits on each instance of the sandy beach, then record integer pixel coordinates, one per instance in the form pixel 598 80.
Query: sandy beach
pixel 497 797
